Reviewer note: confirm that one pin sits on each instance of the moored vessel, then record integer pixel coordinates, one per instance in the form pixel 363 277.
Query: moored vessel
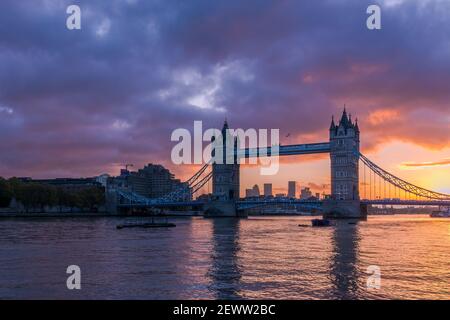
pixel 442 213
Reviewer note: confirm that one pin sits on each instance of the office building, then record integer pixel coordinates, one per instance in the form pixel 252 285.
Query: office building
pixel 291 189
pixel 253 192
pixel 267 189
pixel 305 193
pixel 152 181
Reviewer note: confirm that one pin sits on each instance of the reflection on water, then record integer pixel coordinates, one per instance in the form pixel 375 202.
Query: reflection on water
pixel 258 257
pixel 343 268
pixel 224 272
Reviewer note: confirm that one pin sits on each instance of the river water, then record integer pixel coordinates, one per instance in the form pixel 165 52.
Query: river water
pixel 255 258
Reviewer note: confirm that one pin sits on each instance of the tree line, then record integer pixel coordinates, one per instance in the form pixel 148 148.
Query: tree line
pixel 37 196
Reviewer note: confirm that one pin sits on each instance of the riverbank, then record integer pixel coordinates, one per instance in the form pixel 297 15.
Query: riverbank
pixel 91 214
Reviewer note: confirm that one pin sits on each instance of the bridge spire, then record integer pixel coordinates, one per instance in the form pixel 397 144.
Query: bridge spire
pixel 333 125
pixel 225 124
pixel 345 122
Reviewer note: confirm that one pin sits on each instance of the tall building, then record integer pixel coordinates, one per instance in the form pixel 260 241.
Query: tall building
pixel 152 181
pixel 253 192
pixel 160 181
pixel 305 193
pixel 256 190
pixel 267 189
pixel 344 156
pixel 291 189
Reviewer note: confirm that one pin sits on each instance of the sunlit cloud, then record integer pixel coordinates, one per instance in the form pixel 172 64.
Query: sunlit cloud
pixel 104 27
pixel 421 165
pixel 319 187
pixel 382 116
pixel 120 125
pixel 6 110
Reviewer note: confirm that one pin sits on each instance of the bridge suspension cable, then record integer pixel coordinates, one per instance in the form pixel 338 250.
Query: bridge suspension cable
pixel 194 183
pixel 197 174
pixel 408 188
pixel 184 191
pixel 201 183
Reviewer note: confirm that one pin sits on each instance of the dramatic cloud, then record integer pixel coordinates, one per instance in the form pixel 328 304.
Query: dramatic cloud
pixel 83 102
pixel 319 187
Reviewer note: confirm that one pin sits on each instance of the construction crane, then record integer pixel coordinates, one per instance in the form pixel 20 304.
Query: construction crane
pixel 127 165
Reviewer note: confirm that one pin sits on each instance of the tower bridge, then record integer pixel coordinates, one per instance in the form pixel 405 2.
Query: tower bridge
pixel 344 202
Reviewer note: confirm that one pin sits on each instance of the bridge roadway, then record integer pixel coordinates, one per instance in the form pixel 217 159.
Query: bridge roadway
pixel 369 202
pixel 316 203
pixel 443 203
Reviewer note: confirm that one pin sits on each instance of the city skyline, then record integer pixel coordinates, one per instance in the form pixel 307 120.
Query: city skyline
pixel 120 97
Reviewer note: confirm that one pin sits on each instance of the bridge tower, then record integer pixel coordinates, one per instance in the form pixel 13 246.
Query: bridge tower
pixel 225 175
pixel 225 178
pixel 344 156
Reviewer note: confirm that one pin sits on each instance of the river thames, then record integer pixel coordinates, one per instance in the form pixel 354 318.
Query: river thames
pixel 254 258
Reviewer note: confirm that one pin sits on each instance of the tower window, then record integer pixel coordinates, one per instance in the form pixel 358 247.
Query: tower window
pixel 341 174
pixel 341 160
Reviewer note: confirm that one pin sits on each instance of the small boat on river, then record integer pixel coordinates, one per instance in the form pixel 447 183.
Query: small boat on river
pixel 147 225
pixel 151 224
pixel 443 213
pixel 321 223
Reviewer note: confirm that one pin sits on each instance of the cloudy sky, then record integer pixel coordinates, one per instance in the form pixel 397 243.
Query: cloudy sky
pixel 84 102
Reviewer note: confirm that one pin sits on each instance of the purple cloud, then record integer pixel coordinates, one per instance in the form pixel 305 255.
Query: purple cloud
pixel 76 103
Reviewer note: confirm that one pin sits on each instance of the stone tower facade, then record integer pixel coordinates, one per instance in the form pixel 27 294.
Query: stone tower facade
pixel 225 176
pixel 344 154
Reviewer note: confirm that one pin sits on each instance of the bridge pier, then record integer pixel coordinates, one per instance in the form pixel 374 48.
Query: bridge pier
pixel 222 208
pixel 344 209
pixel 111 200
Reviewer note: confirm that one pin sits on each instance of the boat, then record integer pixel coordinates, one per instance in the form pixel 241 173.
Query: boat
pixel 443 213
pixel 321 223
pixel 147 225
